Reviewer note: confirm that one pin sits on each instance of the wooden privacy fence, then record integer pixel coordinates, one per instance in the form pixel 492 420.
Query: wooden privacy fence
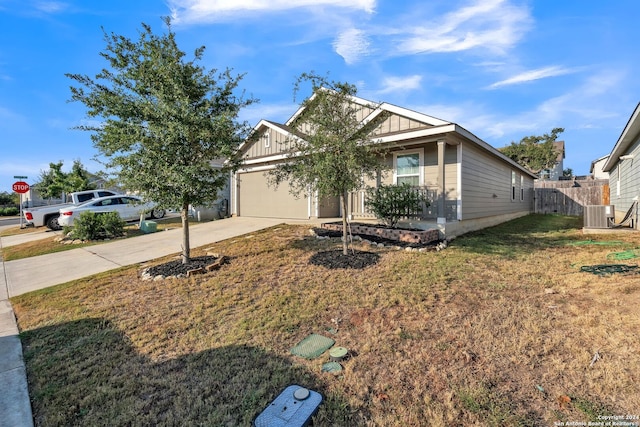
pixel 569 197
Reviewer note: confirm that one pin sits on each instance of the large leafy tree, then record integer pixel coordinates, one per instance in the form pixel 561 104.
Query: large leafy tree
pixel 164 119
pixel 332 150
pixel 536 153
pixel 54 182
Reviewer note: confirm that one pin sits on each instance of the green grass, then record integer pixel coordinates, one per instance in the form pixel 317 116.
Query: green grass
pixel 458 337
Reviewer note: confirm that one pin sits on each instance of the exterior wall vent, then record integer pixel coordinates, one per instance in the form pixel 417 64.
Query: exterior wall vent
pixel 599 216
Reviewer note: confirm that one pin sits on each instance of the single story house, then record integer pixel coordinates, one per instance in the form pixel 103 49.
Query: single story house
pixel 624 169
pixel 471 185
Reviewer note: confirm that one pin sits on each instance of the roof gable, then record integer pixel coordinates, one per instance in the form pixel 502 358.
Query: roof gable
pixel 392 124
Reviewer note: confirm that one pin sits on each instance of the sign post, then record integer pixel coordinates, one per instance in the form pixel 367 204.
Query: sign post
pixel 20 187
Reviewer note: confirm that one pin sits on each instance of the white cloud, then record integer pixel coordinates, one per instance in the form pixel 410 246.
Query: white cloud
pixel 194 11
pixel 352 45
pixel 531 75
pixel 494 25
pixel 591 104
pixel 400 84
pixel 51 6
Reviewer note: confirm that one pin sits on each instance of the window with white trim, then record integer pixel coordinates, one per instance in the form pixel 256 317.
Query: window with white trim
pixel 513 186
pixel 407 168
pixel 267 140
pixel 522 188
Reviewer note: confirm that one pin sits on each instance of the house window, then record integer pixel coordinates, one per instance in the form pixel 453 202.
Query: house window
pixel 407 168
pixel 267 140
pixel 513 186
pixel 522 188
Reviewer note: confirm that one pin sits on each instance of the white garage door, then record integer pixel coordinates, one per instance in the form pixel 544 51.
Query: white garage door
pixel 256 198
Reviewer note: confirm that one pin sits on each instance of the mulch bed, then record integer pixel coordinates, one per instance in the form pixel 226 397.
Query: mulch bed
pixel 375 239
pixel 174 268
pixel 336 259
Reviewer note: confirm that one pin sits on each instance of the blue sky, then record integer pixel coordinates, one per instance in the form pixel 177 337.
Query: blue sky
pixel 502 69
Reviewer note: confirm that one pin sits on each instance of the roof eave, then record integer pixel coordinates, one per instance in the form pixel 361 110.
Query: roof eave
pixel 628 135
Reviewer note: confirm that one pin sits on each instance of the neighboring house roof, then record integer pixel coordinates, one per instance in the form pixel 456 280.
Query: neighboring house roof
pixel 432 126
pixel 626 139
pixel 597 161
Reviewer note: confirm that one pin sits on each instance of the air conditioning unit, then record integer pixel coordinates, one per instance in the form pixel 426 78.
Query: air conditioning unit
pixel 599 216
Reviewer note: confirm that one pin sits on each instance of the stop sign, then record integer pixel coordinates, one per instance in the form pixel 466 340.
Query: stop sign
pixel 20 187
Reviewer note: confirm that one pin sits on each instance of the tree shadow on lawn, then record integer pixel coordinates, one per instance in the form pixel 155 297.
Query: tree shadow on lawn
pixel 87 373
pixel 521 236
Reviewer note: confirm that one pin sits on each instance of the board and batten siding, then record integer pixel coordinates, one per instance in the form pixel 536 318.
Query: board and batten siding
pixel 275 144
pixel 486 185
pixel 396 123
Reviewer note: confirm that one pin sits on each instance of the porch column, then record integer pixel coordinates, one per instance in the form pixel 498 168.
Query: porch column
pixel 442 219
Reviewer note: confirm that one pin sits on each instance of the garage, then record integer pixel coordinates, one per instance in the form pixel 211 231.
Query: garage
pixel 257 199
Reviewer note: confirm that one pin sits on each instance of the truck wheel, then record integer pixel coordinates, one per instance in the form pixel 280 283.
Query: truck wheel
pixel 52 223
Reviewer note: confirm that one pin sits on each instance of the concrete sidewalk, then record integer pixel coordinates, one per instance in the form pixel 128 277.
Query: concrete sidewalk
pixel 26 275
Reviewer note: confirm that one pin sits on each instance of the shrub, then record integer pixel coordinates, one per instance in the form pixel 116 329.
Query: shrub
pixel 112 224
pixel 9 211
pixel 94 226
pixel 390 203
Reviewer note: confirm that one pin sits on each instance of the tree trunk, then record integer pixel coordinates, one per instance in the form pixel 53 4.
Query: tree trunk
pixel 186 249
pixel 345 242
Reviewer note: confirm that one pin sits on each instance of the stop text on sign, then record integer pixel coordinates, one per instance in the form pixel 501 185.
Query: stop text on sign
pixel 20 187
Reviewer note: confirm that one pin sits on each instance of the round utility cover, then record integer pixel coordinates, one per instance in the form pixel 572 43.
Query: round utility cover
pixel 337 354
pixel 301 393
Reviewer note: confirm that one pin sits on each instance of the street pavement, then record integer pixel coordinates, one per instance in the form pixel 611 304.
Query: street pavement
pixel 30 274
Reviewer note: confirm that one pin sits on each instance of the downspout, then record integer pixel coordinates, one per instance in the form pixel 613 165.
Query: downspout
pixel 442 219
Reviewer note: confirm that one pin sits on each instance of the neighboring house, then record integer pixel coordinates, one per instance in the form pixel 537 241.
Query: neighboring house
pixel 219 208
pixel 557 171
pixel 596 168
pixel 623 166
pixel 471 185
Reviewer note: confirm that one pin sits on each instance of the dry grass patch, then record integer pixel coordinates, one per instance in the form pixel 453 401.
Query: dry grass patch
pixel 14 231
pixel 499 329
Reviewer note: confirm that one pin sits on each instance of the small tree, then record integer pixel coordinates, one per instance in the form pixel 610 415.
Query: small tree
pixel 535 153
pixel 78 178
pixel 567 173
pixel 165 119
pixel 334 149
pixel 55 182
pixel 52 182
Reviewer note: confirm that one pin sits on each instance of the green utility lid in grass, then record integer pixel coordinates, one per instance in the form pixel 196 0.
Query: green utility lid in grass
pixel 312 346
pixel 332 367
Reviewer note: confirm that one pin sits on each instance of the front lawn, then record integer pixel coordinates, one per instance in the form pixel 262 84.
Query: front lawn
pixel 500 329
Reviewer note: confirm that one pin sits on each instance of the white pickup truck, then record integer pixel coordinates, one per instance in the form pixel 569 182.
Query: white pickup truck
pixel 48 215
